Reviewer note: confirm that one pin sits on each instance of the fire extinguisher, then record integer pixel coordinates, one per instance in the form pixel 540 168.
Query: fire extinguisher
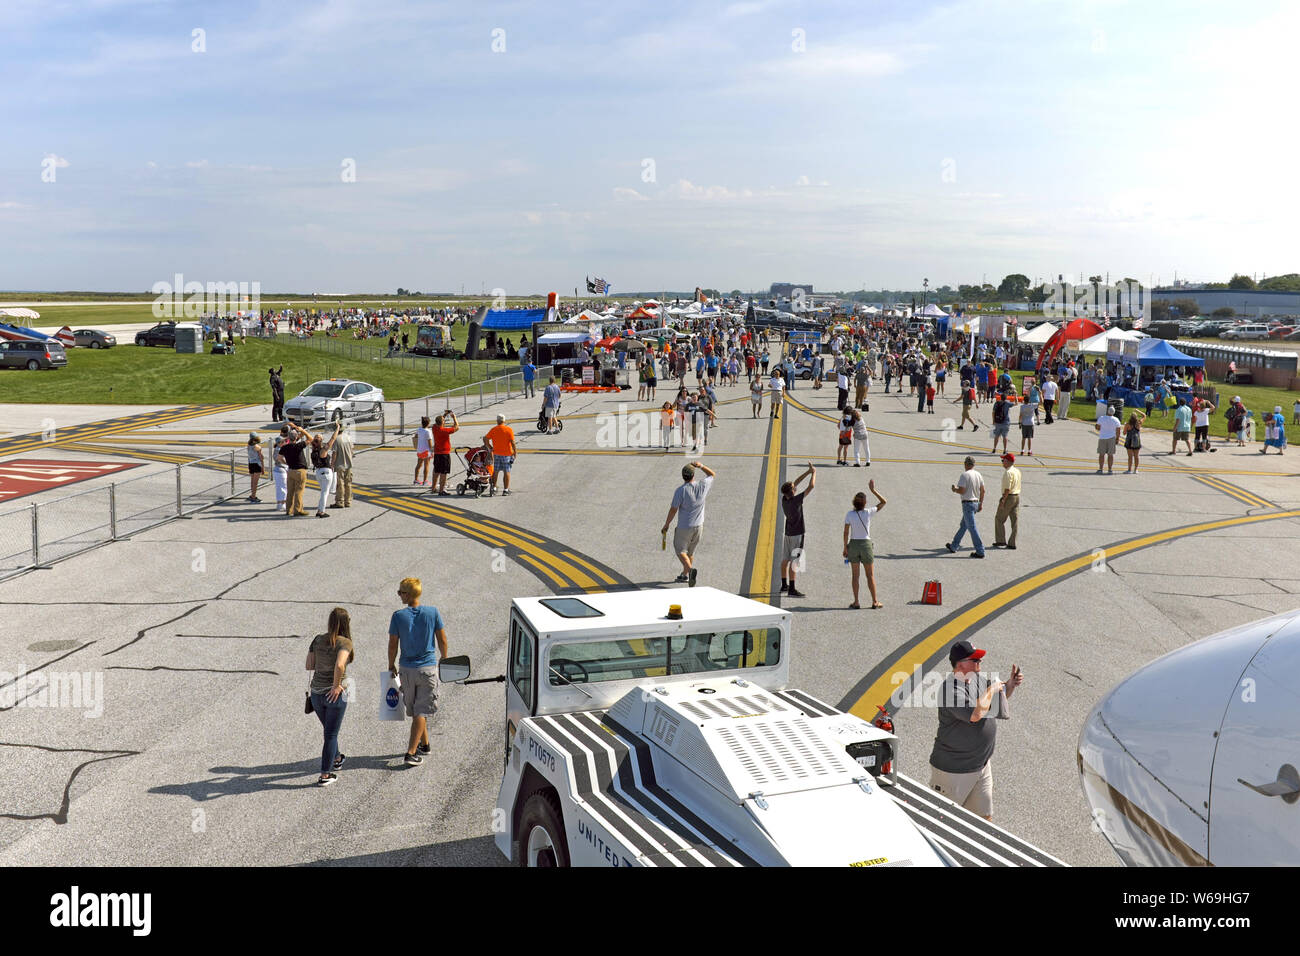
pixel 885 721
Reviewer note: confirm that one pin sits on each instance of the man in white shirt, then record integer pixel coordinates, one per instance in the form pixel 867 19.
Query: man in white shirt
pixel 776 385
pixel 1050 391
pixel 1108 427
pixel 971 488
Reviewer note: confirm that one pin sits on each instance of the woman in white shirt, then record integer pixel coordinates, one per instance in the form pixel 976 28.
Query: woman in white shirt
pixel 422 441
pixel 280 469
pixel 861 444
pixel 756 394
pixel 858 549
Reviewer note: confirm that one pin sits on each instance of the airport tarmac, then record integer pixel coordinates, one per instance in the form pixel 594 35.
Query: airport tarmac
pixel 198 628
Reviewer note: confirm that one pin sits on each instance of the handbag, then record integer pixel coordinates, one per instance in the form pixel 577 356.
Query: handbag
pixel 307 707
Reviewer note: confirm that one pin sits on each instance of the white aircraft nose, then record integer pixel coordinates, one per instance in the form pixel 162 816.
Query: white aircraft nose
pixel 1147 749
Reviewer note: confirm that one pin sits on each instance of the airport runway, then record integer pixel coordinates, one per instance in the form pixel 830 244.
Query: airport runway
pixel 199 628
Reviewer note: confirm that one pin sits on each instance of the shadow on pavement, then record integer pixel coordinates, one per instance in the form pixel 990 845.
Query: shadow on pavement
pixel 236 781
pixel 476 851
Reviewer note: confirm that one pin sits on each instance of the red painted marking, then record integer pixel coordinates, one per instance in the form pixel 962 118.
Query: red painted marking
pixel 28 476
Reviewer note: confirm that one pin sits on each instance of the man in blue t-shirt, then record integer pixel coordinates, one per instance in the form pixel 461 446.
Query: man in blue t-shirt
pixel 415 629
pixel 530 375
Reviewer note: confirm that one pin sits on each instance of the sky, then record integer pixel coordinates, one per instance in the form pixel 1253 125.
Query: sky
pixel 366 145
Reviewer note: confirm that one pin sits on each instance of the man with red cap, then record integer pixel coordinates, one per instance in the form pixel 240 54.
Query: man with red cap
pixel 963 747
pixel 1008 504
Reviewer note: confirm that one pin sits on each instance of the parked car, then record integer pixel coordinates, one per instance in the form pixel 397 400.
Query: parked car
pixel 164 333
pixel 334 399
pixel 1294 336
pixel 1241 333
pixel 1280 331
pixel 93 339
pixel 33 355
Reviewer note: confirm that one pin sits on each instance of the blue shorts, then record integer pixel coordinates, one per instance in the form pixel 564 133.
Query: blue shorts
pixel 501 463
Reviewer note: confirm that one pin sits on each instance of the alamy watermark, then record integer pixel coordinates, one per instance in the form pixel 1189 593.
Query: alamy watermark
pixel 181 299
pixel 75 690
pixel 1127 299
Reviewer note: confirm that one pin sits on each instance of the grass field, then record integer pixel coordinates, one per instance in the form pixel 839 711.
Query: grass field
pixel 157 376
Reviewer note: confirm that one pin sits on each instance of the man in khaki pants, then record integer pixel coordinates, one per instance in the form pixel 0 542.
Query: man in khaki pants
pixel 1008 504
pixel 343 469
pixel 295 456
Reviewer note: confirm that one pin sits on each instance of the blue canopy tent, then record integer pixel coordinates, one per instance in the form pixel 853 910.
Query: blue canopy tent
pixel 1155 351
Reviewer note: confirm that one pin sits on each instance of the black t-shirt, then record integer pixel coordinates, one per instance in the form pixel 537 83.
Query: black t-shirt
pixel 1000 408
pixel 793 507
pixel 321 460
pixel 293 453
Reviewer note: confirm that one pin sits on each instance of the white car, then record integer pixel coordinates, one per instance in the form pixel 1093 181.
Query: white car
pixel 1241 332
pixel 333 400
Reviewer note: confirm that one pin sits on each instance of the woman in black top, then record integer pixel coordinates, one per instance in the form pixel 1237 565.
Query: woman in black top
pixel 320 461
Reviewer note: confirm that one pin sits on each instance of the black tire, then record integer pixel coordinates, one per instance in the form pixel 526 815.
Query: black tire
pixel 541 424
pixel 541 818
pixel 96 344
pixel 33 365
pixel 460 489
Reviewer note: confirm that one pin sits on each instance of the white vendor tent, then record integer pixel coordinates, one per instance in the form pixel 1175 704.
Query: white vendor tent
pixel 1098 344
pixel 1038 335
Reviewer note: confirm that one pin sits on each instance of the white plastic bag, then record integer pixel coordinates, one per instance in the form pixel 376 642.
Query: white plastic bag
pixel 390 697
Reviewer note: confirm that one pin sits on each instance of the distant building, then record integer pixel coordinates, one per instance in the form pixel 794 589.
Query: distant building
pixel 785 290
pixel 1244 302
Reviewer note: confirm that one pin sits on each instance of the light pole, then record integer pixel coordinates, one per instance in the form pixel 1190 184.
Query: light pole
pixel 925 293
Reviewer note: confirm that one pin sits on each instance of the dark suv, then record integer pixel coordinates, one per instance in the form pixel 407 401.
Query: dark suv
pixel 164 333
pixel 32 355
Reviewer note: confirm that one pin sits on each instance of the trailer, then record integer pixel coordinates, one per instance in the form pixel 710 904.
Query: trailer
pixel 657 728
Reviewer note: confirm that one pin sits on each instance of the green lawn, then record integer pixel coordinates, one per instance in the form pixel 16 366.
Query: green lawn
pixel 1257 398
pixel 135 375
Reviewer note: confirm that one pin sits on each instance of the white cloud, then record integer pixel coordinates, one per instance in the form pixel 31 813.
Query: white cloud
pixel 806 181
pixel 58 162
pixel 685 189
pixel 622 192
pixel 197 163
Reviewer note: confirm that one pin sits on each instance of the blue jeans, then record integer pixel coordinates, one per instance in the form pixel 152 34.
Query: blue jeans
pixel 331 717
pixel 968 510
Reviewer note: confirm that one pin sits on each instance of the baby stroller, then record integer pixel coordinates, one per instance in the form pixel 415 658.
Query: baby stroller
pixel 478 471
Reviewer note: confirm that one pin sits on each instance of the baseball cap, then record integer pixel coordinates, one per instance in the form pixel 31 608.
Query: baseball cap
pixel 1009 457
pixel 962 651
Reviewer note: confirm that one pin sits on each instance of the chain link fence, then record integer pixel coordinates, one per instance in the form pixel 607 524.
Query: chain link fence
pixel 358 351
pixel 36 535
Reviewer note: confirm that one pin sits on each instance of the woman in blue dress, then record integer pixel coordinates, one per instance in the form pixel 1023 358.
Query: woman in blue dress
pixel 1275 431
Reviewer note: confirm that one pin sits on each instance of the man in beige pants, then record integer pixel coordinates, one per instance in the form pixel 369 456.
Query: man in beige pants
pixel 343 451
pixel 960 763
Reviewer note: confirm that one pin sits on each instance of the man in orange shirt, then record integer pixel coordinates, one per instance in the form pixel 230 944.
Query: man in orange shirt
pixel 502 440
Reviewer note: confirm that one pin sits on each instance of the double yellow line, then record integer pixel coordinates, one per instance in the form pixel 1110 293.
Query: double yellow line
pixel 77 433
pixel 562 567
pixel 1241 494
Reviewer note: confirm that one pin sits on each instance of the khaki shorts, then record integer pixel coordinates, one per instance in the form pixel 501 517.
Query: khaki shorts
pixel 686 540
pixel 861 551
pixel 419 690
pixel 792 547
pixel 973 790
pixel 1105 446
